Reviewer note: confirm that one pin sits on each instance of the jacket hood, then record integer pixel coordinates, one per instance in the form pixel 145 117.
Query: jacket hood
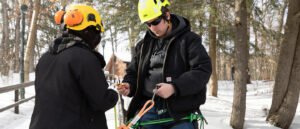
pixel 179 26
pixel 66 41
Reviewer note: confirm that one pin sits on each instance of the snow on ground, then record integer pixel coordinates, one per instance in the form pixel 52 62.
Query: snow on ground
pixel 217 110
pixel 8 119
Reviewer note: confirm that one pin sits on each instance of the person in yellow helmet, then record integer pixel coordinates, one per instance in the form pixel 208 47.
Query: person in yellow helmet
pixel 71 89
pixel 169 61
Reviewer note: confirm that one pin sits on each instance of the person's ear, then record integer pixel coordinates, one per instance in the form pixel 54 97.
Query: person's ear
pixel 168 15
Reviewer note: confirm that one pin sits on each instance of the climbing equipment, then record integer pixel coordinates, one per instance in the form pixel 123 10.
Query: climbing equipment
pixel 135 124
pixel 145 109
pixel 191 118
pixel 139 115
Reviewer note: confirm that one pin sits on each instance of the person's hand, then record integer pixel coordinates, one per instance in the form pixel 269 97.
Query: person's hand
pixel 123 89
pixel 165 90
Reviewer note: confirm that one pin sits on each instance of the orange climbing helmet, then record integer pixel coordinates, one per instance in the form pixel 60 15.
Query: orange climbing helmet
pixel 79 17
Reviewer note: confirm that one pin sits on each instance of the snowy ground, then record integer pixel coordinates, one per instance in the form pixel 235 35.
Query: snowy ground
pixel 216 110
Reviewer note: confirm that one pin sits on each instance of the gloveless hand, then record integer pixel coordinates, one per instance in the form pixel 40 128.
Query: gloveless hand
pixel 124 89
pixel 165 90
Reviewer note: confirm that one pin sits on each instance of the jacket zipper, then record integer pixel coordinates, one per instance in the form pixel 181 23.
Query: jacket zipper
pixel 139 65
pixel 163 70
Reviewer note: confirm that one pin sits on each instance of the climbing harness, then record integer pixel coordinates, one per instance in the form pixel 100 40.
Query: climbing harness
pixel 191 118
pixel 134 124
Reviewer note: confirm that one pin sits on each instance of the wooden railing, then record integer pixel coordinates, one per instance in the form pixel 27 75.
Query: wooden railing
pixel 16 89
pixel 110 78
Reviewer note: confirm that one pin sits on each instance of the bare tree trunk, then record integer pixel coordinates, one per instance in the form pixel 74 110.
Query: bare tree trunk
pixel 5 39
pixel 262 45
pixel 279 36
pixel 213 82
pixel 219 62
pixel 29 14
pixel 281 16
pixel 2 37
pixel 260 59
pixel 201 19
pixel 115 38
pixel 223 67
pixel 201 27
pixel 249 4
pixel 17 41
pixel 255 59
pixel 287 83
pixel 228 68
pixel 16 58
pixel 31 40
pixel 124 111
pixel 31 61
pixel 239 97
pixel 131 40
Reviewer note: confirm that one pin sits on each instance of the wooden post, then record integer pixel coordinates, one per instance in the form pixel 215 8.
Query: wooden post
pixel 16 100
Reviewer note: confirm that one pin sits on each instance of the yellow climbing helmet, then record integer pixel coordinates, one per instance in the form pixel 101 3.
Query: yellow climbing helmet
pixel 150 9
pixel 79 17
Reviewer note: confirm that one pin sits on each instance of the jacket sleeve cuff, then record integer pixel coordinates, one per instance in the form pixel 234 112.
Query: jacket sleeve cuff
pixel 176 91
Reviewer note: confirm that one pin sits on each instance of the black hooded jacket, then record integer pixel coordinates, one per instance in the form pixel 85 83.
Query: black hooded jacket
pixel 186 65
pixel 71 89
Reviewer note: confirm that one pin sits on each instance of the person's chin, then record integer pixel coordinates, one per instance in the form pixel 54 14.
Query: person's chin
pixel 158 35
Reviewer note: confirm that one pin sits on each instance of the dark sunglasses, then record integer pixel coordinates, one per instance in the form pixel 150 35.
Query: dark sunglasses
pixel 155 22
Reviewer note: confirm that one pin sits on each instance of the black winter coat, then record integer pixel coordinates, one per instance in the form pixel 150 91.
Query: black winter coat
pixel 71 90
pixel 186 62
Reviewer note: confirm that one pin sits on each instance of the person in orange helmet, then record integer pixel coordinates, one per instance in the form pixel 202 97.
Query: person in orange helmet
pixel 71 89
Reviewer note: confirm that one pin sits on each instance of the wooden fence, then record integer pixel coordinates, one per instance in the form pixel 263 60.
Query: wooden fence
pixel 110 78
pixel 16 89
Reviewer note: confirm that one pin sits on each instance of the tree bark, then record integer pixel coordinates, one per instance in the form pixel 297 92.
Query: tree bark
pixel 131 40
pixel 287 83
pixel 228 67
pixel 281 16
pixel 201 27
pixel 17 40
pixel 213 81
pixel 279 36
pixel 5 40
pixel 31 40
pixel 239 97
pixel 249 7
